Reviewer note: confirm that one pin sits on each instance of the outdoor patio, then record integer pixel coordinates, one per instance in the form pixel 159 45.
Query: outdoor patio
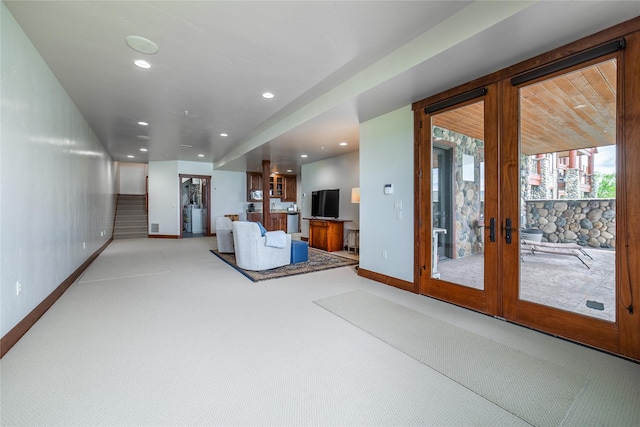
pixel 557 281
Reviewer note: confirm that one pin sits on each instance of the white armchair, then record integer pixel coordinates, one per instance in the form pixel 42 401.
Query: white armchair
pixel 224 235
pixel 251 251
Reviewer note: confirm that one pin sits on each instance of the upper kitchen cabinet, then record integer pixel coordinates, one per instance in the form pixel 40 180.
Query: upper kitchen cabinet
pixel 290 193
pixel 276 186
pixel 254 187
pixel 281 187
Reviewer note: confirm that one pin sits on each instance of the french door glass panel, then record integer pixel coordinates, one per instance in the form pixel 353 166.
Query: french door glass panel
pixel 568 197
pixel 457 195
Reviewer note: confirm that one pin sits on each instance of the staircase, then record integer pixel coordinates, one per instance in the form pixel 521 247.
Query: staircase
pixel 131 217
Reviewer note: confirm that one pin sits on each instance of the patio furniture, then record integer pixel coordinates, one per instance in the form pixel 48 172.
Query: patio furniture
pixel 571 249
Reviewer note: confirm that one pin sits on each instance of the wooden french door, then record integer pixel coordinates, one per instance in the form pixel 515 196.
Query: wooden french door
pixel 510 217
pixel 458 157
pixel 560 145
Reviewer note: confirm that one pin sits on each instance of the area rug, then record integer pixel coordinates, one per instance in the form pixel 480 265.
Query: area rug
pixel 318 261
pixel 536 390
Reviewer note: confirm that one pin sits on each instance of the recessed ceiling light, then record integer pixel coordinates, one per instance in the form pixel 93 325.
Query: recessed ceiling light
pixel 130 156
pixel 304 156
pixel 200 155
pixel 343 143
pixel 143 137
pixel 143 123
pixel 142 63
pixel 141 44
pixel 267 95
pixel 224 134
pixel 289 170
pixel 143 149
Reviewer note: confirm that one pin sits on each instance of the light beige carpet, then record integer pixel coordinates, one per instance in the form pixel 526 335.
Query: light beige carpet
pixel 146 263
pixel 538 391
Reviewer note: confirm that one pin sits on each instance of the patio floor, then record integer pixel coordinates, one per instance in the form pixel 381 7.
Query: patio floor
pixel 554 280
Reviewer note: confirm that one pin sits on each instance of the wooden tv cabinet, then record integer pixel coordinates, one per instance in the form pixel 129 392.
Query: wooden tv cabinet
pixel 326 234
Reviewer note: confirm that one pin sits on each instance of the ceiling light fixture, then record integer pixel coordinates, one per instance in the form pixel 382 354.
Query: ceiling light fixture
pixel 141 44
pixel 144 149
pixel 224 134
pixel 130 156
pixel 289 170
pixel 200 155
pixel 143 123
pixel 142 64
pixel 343 143
pixel 304 156
pixel 267 95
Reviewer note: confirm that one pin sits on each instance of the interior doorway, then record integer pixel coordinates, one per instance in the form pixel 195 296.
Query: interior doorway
pixel 195 209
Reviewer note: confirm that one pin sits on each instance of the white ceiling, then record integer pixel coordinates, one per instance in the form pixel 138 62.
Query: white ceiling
pixel 330 64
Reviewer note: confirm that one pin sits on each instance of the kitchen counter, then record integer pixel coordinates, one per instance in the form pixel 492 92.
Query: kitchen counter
pixel 279 219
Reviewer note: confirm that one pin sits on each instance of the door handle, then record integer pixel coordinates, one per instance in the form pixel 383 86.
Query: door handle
pixel 492 230
pixel 507 231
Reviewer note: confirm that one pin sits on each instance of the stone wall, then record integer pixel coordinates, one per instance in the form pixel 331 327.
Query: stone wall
pixel 588 222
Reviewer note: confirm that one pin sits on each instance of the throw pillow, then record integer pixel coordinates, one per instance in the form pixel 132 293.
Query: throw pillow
pixel 262 229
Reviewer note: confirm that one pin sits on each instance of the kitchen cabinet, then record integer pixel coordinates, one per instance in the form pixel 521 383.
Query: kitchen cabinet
pixel 290 192
pixel 278 220
pixel 281 187
pixel 254 216
pixel 254 182
pixel 276 186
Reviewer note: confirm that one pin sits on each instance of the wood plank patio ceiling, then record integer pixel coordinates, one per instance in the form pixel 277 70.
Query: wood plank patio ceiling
pixel 568 112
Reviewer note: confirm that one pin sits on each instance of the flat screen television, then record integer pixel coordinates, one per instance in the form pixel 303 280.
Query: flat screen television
pixel 325 203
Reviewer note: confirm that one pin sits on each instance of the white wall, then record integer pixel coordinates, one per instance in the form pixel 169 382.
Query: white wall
pixel 386 157
pixel 57 180
pixel 227 195
pixel 132 178
pixel 340 172
pixel 164 198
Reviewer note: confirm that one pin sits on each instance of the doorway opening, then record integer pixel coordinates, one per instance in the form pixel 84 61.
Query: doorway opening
pixel 194 203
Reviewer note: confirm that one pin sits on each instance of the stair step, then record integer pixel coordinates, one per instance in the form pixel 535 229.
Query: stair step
pixel 131 213
pixel 132 219
pixel 119 230
pixel 130 227
pixel 129 235
pixel 129 207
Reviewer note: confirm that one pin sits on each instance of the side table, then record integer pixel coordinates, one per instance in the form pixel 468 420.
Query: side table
pixel 353 234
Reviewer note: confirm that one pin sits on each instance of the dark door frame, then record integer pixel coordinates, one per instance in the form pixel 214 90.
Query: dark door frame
pixel 206 200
